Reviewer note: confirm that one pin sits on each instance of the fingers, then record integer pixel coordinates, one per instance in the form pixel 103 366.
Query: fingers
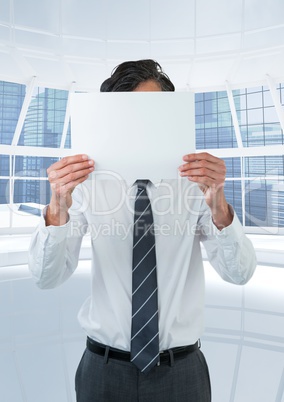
pixel 66 161
pixel 62 189
pixel 200 156
pixel 70 170
pixel 204 169
pixel 71 173
pixel 65 175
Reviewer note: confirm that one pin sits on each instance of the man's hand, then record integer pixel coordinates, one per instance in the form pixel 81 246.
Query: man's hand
pixel 209 173
pixel 64 176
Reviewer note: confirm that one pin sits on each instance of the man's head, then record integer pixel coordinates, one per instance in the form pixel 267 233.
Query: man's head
pixel 128 76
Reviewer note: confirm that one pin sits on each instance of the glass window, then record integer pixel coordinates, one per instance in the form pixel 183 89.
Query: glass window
pixel 199 108
pixel 32 191
pixel 32 166
pixel 255 116
pixel 239 91
pixel 259 126
pixel 233 192
pixel 4 165
pixel 256 203
pixel 255 135
pixel 43 127
pixel 273 134
pixel 242 117
pixel 223 105
pixel 199 97
pixel 209 96
pixel 253 89
pixel 23 177
pixel 4 192
pixel 264 203
pixel 240 102
pixel 210 106
pixel 254 100
pixel 256 166
pixel 199 121
pixel 226 137
pixel 200 138
pixel 281 93
pixel 44 121
pixel 68 137
pixel 210 138
pixel 233 166
pixel 222 94
pixel 224 119
pixel 244 135
pixel 216 115
pixel 267 99
pixel 211 120
pixel 11 100
pixel 270 115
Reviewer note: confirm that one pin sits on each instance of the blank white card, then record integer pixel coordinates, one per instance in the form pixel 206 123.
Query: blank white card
pixel 134 135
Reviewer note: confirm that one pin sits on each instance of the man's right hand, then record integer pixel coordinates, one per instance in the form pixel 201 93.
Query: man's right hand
pixel 64 176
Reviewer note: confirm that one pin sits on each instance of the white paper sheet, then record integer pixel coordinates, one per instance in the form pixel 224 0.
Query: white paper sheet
pixel 134 134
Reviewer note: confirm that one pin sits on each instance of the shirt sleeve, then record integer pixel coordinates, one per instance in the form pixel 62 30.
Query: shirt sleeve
pixel 54 250
pixel 229 250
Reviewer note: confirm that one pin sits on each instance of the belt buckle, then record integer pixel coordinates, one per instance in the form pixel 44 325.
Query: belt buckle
pixel 159 362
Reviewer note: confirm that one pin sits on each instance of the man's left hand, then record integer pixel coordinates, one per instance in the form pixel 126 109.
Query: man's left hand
pixel 209 173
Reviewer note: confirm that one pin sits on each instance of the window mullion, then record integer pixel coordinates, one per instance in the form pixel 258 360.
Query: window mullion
pixel 276 100
pixel 67 116
pixel 234 115
pixel 23 113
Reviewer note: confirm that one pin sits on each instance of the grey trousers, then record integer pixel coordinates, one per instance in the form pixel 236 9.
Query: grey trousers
pixel 102 379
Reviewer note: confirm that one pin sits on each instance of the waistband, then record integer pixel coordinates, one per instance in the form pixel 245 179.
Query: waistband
pixel 166 356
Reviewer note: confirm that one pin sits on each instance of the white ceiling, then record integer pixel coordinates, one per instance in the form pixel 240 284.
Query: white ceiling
pixel 200 43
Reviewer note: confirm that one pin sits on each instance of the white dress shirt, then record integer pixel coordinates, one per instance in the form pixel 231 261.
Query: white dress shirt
pixel 181 220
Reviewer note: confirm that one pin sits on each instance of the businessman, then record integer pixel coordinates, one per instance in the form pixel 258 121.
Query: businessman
pixel 144 317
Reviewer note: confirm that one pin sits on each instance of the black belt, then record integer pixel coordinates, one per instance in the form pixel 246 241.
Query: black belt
pixel 165 356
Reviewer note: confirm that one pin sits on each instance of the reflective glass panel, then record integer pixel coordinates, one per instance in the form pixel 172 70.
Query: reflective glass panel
pixel 11 101
pixel 44 121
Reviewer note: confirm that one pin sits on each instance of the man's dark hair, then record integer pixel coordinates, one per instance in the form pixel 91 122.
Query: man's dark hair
pixel 127 76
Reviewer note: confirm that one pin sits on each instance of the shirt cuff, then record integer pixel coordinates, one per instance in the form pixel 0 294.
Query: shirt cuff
pixel 231 233
pixel 57 232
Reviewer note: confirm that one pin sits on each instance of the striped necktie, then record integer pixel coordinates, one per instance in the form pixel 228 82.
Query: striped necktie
pixel 144 329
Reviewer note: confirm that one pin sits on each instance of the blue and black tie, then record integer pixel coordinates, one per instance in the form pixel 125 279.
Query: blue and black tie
pixel 145 329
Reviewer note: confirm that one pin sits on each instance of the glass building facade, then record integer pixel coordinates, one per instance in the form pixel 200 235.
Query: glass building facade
pixel 254 184
pixel 262 190
pixel 11 101
pixel 43 127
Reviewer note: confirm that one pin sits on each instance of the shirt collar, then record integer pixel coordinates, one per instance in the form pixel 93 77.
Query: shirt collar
pixel 154 184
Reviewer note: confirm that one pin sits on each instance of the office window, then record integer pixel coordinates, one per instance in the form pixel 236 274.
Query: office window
pixel 254 185
pixel 32 190
pixel 257 117
pixel 256 166
pixel 11 100
pixel 264 203
pixel 233 167
pixel 233 192
pixel 4 191
pixel 23 179
pixel 44 121
pixel 5 165
pixel 280 89
pixel 259 125
pixel 214 126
